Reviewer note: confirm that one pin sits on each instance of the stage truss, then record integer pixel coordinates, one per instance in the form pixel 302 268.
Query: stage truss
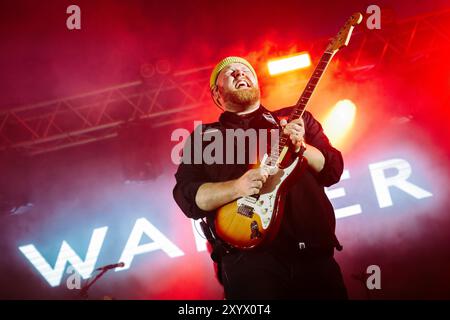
pixel 173 97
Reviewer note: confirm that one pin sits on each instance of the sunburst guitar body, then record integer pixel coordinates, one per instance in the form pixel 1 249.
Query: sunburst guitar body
pixel 249 221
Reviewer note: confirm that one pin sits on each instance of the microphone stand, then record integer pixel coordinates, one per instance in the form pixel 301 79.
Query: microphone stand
pixel 84 290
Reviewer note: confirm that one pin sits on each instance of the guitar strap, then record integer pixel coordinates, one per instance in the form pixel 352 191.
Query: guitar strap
pixel 219 248
pixel 271 118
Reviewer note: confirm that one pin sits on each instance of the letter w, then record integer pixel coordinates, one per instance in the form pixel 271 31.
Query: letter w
pixel 66 255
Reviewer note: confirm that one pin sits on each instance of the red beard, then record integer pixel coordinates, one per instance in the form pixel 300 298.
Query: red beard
pixel 243 97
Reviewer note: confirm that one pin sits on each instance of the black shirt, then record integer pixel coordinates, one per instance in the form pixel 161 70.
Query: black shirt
pixel 308 214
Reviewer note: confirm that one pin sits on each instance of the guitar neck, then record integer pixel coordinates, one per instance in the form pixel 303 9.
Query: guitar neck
pixel 301 104
pixel 300 107
pixel 339 41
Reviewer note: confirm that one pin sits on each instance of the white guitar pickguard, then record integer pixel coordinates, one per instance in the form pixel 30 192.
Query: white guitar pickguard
pixel 265 205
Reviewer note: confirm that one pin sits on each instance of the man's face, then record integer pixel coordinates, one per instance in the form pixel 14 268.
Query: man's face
pixel 238 87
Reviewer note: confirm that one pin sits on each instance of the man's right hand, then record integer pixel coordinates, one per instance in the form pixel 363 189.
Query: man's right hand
pixel 212 195
pixel 251 182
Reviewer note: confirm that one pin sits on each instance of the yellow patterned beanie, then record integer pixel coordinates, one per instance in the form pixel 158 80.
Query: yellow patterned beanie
pixel 225 62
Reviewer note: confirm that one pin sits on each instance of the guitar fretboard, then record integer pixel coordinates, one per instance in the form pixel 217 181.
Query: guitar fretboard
pixel 302 102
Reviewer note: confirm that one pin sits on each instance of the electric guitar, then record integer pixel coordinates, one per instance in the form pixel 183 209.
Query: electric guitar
pixel 250 221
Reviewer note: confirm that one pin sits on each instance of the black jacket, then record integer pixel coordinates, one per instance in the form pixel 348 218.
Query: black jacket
pixel 308 216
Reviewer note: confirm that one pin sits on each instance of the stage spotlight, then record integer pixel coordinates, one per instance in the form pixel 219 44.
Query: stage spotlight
pixel 339 121
pixel 289 63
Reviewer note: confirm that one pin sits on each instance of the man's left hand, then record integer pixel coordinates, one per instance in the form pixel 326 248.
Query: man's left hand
pixel 296 131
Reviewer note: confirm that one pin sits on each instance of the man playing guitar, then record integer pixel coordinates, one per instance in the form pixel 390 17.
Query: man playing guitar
pixel 298 262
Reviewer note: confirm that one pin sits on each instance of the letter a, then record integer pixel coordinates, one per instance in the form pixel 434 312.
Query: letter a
pixel 74 20
pixel 373 21
pixel 74 280
pixel 374 280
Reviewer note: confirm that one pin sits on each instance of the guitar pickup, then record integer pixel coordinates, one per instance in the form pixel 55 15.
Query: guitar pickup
pixel 245 210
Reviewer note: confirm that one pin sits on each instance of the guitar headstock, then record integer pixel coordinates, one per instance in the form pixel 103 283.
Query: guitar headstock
pixel 344 34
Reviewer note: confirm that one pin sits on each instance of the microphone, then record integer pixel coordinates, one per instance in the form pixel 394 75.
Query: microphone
pixel 111 266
